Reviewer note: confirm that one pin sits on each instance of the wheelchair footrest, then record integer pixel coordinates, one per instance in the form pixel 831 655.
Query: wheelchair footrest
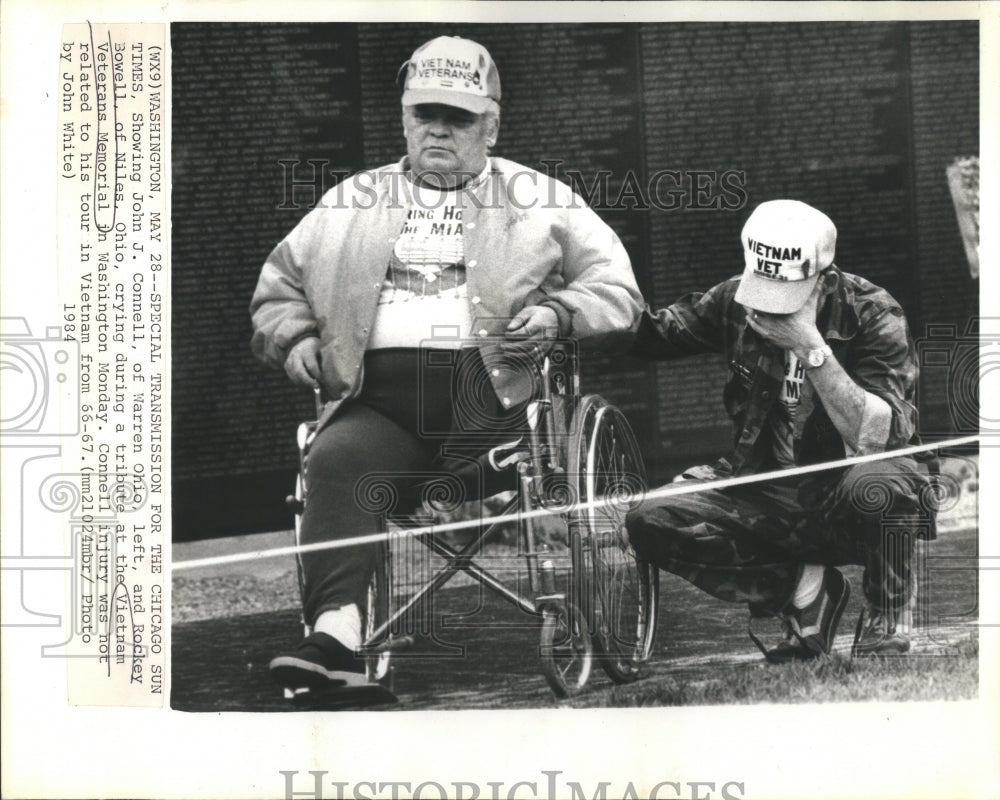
pixel 389 645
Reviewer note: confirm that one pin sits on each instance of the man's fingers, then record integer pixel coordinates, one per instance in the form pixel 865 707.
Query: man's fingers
pixel 518 324
pixel 302 365
pixel 774 331
pixel 543 345
pixel 292 369
pixel 768 331
pixel 534 323
pixel 541 327
pixel 310 363
pixel 298 372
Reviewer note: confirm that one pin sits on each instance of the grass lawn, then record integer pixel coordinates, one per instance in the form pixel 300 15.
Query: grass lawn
pixel 837 679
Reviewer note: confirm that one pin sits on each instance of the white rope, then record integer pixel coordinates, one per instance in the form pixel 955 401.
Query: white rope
pixel 670 490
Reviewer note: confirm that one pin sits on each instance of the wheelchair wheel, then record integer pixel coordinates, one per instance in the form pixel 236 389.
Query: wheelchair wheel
pixel 619 591
pixel 566 649
pixel 376 613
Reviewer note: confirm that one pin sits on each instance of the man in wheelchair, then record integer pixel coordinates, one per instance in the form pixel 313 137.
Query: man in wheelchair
pixel 449 250
pixel 821 366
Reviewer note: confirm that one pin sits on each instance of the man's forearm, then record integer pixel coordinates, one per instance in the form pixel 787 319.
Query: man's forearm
pixel 862 418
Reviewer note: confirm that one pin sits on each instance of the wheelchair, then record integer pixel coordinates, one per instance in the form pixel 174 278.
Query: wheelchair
pixel 579 460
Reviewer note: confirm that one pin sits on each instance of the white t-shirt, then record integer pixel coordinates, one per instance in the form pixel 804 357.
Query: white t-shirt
pixel 783 415
pixel 423 301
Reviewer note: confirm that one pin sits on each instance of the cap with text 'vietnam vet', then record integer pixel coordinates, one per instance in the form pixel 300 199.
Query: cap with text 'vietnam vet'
pixel 786 244
pixel 452 71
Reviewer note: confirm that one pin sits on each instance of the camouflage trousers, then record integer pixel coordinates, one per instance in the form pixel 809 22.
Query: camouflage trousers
pixel 746 543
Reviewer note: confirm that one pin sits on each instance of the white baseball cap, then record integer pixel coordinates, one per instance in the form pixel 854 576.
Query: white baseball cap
pixel 786 244
pixel 452 71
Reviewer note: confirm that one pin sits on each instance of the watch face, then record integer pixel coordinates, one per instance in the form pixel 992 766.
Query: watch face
pixel 816 358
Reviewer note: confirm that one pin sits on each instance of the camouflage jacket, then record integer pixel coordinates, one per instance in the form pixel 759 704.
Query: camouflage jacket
pixel 863 325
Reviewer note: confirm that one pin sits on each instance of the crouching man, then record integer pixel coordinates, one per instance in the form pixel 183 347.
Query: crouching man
pixel 821 366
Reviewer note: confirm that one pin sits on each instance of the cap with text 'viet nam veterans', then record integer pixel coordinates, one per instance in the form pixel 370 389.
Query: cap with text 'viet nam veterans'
pixel 452 71
pixel 786 244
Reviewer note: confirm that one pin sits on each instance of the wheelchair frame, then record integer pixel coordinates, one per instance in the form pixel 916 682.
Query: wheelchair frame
pixel 583 464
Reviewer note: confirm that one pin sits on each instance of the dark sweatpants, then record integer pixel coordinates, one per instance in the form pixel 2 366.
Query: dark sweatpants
pixel 384 449
pixel 744 543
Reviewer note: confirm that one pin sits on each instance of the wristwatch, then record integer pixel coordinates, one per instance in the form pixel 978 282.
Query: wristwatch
pixel 818 356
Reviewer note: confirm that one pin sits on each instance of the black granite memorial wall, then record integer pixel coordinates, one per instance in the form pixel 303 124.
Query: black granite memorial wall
pixel 674 130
